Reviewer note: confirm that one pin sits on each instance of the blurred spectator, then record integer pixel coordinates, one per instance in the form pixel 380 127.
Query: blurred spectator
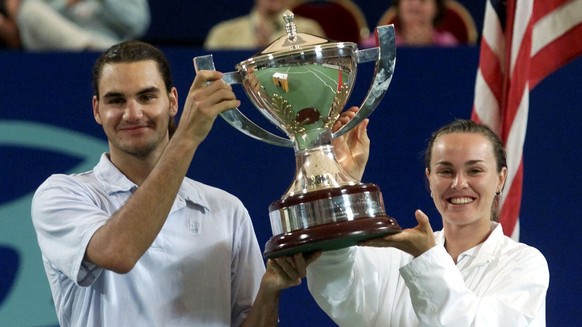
pixel 416 22
pixel 9 37
pixel 263 25
pixel 81 24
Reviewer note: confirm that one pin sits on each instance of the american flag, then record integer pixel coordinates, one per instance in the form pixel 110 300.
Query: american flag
pixel 522 42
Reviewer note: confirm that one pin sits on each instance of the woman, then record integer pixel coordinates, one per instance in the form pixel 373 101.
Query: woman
pixel 468 274
pixel 416 24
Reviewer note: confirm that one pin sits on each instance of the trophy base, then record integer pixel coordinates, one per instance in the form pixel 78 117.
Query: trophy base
pixel 330 236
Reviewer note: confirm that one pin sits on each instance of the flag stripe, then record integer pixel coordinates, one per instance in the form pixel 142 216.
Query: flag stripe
pixel 544 8
pixel 486 99
pixel 500 12
pixel 550 25
pixel 509 214
pixel 493 35
pixel 519 22
pixel 492 72
pixel 557 31
pixel 555 55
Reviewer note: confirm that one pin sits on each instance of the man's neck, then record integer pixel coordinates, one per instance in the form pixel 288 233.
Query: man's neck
pixel 135 168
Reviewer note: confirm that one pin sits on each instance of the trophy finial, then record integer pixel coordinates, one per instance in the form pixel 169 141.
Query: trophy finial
pixel 293 40
pixel 290 26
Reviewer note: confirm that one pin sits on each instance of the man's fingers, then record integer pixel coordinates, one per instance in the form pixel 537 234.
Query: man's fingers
pixel 217 96
pixel 205 76
pixel 362 131
pixel 351 111
pixel 294 267
pixel 224 99
pixel 287 267
pixel 300 264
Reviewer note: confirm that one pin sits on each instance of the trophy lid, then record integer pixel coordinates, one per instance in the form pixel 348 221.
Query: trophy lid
pixel 294 41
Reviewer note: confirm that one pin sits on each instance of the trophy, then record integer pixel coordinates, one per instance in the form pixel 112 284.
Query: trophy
pixel 301 83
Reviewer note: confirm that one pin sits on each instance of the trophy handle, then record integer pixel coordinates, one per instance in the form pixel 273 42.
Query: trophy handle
pixel 234 116
pixel 385 57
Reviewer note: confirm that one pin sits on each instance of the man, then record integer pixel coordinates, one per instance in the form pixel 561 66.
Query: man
pixel 263 25
pixel 136 243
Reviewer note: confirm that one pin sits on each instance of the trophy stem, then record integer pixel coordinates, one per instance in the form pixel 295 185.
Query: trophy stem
pixel 317 169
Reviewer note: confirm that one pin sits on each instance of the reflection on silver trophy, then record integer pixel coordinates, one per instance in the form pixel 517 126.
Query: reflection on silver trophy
pixel 301 83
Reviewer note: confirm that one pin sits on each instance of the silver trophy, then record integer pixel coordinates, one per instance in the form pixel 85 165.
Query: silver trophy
pixel 301 84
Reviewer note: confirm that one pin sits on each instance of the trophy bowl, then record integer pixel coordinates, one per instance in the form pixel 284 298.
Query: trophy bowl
pixel 301 83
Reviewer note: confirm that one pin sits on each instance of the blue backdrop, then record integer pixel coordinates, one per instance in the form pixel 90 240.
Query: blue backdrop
pixel 46 126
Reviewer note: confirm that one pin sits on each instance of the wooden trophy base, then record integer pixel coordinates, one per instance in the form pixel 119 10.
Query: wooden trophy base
pixel 331 236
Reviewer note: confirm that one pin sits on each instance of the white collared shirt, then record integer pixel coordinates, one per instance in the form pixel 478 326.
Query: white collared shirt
pixel 203 268
pixel 499 283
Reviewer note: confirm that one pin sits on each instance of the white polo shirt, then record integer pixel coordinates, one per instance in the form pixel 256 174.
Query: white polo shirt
pixel 203 269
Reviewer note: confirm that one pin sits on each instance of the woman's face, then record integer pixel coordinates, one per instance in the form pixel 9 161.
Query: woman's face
pixel 417 12
pixel 463 178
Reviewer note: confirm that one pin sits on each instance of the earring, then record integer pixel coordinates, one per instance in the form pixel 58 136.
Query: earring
pixel 498 193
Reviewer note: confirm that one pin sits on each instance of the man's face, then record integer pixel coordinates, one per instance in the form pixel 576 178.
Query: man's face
pixel 134 108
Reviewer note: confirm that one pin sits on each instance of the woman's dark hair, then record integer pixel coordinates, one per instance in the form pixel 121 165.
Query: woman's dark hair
pixel 469 126
pixel 134 51
pixel 440 11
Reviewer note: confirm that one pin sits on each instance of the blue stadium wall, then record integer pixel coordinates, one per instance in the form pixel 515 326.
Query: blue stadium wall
pixel 46 127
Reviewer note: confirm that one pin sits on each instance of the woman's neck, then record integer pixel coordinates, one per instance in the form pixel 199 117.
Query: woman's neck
pixel 459 239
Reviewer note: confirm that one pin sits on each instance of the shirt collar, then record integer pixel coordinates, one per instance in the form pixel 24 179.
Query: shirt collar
pixel 488 248
pixel 482 253
pixel 114 181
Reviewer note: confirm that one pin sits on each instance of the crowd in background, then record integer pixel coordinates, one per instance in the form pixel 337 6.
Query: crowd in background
pixel 80 25
pixel 72 25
